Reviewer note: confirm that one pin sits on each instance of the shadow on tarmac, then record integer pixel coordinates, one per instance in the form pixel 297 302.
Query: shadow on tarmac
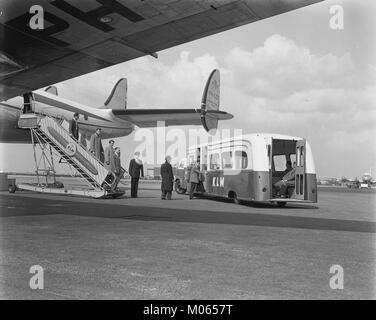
pixel 12 206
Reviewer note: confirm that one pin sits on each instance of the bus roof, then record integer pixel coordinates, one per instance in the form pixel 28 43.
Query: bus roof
pixel 259 142
pixel 250 137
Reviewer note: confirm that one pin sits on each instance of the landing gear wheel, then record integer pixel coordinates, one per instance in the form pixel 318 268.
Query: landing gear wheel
pixel 178 188
pixel 281 204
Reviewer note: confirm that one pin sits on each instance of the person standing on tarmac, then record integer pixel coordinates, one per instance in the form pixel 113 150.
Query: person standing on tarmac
pixel 167 179
pixel 136 169
pixel 194 179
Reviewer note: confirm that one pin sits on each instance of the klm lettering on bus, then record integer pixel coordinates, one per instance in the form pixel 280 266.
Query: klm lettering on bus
pixel 218 182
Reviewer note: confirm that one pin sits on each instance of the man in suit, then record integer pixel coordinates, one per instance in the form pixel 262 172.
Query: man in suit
pixel 136 169
pixel 167 179
pixel 73 126
pixel 96 147
pixel 109 162
pixel 117 164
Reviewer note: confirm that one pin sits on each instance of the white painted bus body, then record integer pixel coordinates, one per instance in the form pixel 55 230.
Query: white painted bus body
pixel 247 167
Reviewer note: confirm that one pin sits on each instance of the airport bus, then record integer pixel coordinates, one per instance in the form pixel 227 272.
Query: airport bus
pixel 245 168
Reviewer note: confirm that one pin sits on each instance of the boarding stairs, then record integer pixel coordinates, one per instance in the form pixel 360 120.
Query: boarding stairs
pixel 47 131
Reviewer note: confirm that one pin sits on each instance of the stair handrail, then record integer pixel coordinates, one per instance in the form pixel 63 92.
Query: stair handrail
pixel 98 165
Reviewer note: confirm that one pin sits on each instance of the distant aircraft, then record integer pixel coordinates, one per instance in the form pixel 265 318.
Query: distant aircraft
pixel 366 177
pixel 367 180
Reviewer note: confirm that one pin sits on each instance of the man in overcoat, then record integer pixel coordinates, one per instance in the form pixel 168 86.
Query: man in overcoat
pixel 167 179
pixel 109 161
pixel 96 147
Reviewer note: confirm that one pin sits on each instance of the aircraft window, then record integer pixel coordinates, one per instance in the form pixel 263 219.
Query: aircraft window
pixel 227 160
pixel 241 160
pixel 214 161
pixel 279 162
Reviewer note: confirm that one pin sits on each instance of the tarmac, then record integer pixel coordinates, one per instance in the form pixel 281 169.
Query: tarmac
pixel 148 248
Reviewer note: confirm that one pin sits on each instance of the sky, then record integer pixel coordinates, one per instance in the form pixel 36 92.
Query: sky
pixel 290 74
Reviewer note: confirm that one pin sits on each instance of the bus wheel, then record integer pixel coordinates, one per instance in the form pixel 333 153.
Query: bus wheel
pixel 232 195
pixel 178 188
pixel 281 204
pixel 12 189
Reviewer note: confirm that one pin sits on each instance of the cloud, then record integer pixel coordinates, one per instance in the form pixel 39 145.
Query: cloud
pixel 281 67
pixel 150 83
pixel 280 86
pixel 179 85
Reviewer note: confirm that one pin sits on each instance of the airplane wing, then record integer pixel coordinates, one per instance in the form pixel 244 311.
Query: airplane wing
pixel 81 36
pixel 145 118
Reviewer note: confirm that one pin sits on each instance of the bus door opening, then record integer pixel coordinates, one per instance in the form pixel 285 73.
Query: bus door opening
pixel 198 155
pixel 204 159
pixel 300 180
pixel 282 160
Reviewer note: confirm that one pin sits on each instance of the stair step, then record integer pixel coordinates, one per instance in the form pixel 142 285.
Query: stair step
pixel 61 152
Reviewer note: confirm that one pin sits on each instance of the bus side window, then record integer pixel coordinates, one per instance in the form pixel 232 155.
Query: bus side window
pixel 183 164
pixel 227 160
pixel 214 161
pixel 241 160
pixel 279 161
pixel 191 159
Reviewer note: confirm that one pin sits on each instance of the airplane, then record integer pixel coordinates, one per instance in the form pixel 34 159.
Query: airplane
pixel 113 117
pixel 57 40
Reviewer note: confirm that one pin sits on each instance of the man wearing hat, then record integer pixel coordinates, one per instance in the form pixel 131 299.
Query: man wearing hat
pixel 167 179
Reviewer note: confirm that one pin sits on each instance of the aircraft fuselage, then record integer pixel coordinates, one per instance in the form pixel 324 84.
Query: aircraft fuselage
pixel 11 109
